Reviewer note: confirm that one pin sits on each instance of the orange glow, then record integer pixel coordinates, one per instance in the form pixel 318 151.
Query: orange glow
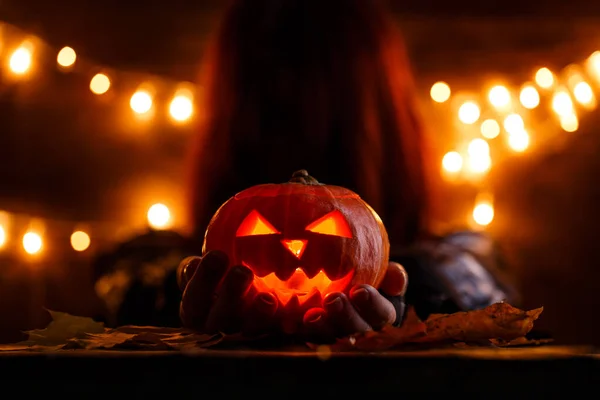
pixel 296 247
pixel 100 84
pixel 66 57
pixel 333 224
pixel 255 224
pixel 301 286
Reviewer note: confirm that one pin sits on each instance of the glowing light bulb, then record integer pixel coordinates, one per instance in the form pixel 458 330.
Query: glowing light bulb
pixel 141 102
pixel 490 129
pixel 452 162
pixel 483 213
pixel 66 57
pixel 440 92
pixel 181 107
pixel 99 84
pixel 20 60
pixel 544 78
pixel 80 241
pixel 469 112
pixel 159 216
pixel 499 97
pixel 32 243
pixel 529 97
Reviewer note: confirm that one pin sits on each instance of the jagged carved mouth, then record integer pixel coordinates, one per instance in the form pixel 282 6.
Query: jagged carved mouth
pixel 300 285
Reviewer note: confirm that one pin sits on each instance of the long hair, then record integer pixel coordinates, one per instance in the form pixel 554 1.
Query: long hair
pixel 309 84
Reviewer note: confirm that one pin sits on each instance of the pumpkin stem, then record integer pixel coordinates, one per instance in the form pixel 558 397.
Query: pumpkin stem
pixel 303 177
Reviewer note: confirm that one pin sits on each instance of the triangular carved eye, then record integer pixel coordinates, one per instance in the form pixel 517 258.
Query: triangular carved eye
pixel 255 224
pixel 333 223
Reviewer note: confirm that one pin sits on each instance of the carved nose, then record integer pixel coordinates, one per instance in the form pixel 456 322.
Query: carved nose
pixel 296 247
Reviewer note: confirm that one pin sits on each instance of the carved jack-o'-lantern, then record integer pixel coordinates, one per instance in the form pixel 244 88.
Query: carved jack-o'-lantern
pixel 302 239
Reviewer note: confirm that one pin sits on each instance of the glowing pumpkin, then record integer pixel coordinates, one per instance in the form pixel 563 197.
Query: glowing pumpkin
pixel 302 239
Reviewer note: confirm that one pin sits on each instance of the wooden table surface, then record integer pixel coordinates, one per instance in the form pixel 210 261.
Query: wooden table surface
pixel 237 372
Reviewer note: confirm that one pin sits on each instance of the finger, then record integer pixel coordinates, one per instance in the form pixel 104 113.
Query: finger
pixel 259 317
pixel 375 309
pixel 186 270
pixel 395 280
pixel 226 313
pixel 198 295
pixel 342 315
pixel 317 328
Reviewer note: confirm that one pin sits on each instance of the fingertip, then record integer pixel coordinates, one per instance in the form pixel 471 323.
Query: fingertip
pixel 186 269
pixel 395 281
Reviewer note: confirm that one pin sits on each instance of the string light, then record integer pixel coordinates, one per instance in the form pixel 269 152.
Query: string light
pixel 32 243
pixel 452 162
pixel 490 129
pixel 569 122
pixel 469 112
pixel 100 84
pixel 499 97
pixel 544 78
pixel 518 140
pixel 514 123
pixel 66 57
pixel 483 211
pixel 80 241
pixel 182 106
pixel 2 236
pixel 159 216
pixel 20 60
pixel 440 92
pixel 529 97
pixel 141 102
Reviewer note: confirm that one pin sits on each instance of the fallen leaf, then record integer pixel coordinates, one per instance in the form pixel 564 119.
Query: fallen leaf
pixel 62 328
pixel 497 321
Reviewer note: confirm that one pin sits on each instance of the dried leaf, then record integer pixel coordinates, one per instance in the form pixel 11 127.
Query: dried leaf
pixel 144 338
pixel 62 328
pixel 497 321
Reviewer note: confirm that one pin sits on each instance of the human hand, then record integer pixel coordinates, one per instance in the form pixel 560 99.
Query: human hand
pixel 217 298
pixel 364 309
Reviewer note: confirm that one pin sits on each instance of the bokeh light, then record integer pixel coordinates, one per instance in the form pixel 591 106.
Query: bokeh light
pixel 529 97
pixel 569 122
pixel 20 60
pixel 469 112
pixel 544 78
pixel 490 128
pixel 181 107
pixel 440 92
pixel 80 241
pixel 141 102
pixel 32 243
pixel 584 94
pixel 100 84
pixel 2 236
pixel 66 57
pixel 483 212
pixel 562 103
pixel 452 162
pixel 159 216
pixel 513 123
pixel 499 97
pixel 519 140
